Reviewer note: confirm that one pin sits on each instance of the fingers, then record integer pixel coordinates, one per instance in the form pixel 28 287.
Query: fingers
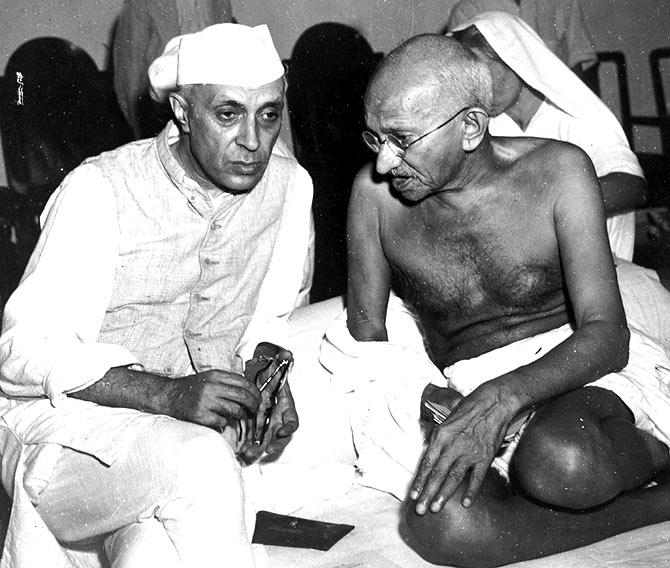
pixel 289 415
pixel 277 446
pixel 211 419
pixel 228 409
pixel 250 452
pixel 289 423
pixel 445 481
pixel 278 440
pixel 437 484
pixel 284 354
pixel 442 472
pixel 283 423
pixel 233 388
pixel 215 398
pixel 477 476
pixel 431 475
pixel 228 379
pixel 233 398
pixel 421 478
pixel 270 350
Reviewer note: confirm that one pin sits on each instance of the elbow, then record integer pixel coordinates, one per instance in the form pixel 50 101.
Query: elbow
pixel 620 339
pixel 368 334
pixel 636 190
pixel 623 192
pixel 641 195
pixel 366 330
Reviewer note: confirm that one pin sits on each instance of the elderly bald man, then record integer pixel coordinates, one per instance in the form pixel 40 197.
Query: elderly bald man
pixel 536 95
pixel 499 245
pixel 163 267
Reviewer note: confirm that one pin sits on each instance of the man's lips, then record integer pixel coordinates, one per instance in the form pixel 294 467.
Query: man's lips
pixel 246 168
pixel 399 182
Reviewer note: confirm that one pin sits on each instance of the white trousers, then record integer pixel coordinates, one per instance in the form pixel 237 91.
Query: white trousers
pixel 175 499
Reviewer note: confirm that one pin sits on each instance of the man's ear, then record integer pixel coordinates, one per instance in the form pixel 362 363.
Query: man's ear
pixel 180 105
pixel 476 122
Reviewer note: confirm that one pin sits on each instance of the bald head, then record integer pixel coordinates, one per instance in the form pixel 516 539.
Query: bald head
pixel 435 63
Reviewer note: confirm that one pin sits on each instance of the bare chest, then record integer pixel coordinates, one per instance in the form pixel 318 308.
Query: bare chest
pixel 460 270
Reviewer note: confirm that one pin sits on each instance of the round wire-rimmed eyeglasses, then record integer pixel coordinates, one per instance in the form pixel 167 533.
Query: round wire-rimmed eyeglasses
pixel 397 146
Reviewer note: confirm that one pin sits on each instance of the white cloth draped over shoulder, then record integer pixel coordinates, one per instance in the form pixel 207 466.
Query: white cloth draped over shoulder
pixel 571 111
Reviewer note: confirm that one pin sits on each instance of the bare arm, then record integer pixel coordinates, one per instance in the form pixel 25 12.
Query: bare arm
pixel 211 398
pixel 466 443
pixel 622 192
pixel 369 280
pixel 600 342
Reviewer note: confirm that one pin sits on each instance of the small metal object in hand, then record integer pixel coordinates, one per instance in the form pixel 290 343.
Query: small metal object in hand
pixel 269 400
pixel 281 365
pixel 439 412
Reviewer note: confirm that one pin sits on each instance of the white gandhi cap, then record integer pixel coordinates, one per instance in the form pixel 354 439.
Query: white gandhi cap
pixel 222 54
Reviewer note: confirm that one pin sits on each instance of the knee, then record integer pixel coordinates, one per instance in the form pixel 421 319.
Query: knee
pixel 565 465
pixel 197 460
pixel 455 536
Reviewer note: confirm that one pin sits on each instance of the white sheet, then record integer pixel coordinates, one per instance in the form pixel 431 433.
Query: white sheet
pixel 376 515
pixel 377 539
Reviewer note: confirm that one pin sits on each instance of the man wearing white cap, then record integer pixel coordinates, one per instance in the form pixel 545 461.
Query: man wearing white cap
pixel 163 268
pixel 142 31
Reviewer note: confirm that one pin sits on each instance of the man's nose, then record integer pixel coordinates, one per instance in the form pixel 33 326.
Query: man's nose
pixel 386 159
pixel 248 136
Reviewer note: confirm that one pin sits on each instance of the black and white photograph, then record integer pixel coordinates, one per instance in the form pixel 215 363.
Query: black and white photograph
pixel 334 283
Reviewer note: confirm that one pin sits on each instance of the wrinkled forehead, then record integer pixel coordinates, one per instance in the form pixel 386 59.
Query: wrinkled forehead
pixel 271 93
pixel 397 96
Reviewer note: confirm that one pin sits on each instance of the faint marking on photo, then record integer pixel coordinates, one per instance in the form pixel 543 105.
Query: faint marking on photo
pixel 19 88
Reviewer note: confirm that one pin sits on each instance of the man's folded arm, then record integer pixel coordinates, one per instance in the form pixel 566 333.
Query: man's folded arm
pixel 51 323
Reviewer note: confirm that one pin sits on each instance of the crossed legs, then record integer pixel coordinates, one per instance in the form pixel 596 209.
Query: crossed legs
pixel 575 478
pixel 175 499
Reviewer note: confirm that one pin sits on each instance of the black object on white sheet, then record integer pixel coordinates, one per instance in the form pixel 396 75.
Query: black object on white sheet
pixel 296 532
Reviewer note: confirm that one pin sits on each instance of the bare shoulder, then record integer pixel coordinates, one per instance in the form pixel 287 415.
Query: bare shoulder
pixel 369 186
pixel 568 180
pixel 561 166
pixel 563 158
pixel 370 193
pixel 571 172
pixel 552 154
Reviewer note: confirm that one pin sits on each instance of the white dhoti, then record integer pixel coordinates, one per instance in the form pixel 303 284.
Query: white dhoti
pixel 386 379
